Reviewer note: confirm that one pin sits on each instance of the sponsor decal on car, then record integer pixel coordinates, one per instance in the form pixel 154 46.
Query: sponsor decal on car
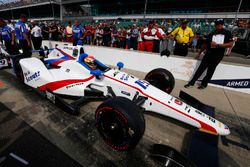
pixel 29 77
pixel 73 85
pixel 177 101
pixel 142 83
pixel 2 62
pixel 69 48
pixel 124 77
pixel 204 115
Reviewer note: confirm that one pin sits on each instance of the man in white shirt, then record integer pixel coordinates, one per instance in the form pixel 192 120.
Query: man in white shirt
pixel 99 35
pixel 157 40
pixel 69 32
pixel 36 37
pixel 11 25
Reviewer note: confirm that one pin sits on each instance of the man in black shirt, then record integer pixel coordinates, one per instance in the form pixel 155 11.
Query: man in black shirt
pixel 54 32
pixel 215 46
pixel 106 35
pixel 45 32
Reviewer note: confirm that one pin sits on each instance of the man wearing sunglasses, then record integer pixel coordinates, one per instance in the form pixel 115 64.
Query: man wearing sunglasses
pixel 216 43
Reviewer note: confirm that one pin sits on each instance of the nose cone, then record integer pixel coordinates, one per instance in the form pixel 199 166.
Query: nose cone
pixel 224 130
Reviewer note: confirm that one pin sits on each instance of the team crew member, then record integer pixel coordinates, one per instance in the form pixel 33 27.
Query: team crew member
pixel 10 25
pixel 78 32
pixel 22 36
pixel 69 32
pixel 7 34
pixel 36 36
pixel 54 31
pixel 99 36
pixel 148 35
pixel 134 37
pixel 183 36
pixel 216 43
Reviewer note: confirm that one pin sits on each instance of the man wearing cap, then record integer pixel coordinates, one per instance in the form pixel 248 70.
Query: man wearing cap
pixel 22 36
pixel 216 43
pixel 7 34
pixel 183 36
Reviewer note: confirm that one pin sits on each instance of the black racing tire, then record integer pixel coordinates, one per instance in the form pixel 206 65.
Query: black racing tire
pixel 162 79
pixel 18 70
pixel 120 122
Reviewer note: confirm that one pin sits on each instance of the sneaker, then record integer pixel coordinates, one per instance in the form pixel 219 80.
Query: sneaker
pixel 201 87
pixel 188 85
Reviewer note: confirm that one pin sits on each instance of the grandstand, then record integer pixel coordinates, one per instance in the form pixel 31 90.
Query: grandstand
pixel 126 9
pixel 35 9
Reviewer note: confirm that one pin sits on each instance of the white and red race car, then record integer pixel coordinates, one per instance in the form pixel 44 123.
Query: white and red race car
pixel 64 76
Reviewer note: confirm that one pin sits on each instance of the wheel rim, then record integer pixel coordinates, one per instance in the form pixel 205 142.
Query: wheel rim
pixel 113 128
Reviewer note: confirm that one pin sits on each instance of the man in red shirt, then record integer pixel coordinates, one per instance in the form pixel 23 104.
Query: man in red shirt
pixel 122 38
pixel 148 35
pixel 88 34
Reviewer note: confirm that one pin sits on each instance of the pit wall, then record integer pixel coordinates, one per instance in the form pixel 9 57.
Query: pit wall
pixel 229 76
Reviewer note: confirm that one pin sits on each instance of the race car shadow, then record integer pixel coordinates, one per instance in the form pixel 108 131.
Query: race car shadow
pixel 227 141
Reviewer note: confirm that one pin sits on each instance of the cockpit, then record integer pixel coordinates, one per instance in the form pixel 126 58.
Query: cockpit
pixel 90 62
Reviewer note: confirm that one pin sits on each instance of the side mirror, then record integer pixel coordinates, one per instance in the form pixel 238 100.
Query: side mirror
pixel 96 73
pixel 120 65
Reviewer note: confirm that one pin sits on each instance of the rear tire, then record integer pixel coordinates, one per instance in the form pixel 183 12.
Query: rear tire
pixel 120 122
pixel 162 79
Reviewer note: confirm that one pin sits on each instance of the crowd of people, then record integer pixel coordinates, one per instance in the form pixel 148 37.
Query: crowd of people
pixel 150 37
pixel 173 36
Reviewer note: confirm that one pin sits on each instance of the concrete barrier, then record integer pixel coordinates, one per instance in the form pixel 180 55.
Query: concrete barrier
pixel 229 76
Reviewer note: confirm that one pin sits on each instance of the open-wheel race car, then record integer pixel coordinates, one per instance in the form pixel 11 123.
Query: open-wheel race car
pixel 69 78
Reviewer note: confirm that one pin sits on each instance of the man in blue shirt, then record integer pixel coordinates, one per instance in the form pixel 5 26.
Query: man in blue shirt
pixel 7 34
pixel 78 32
pixel 22 36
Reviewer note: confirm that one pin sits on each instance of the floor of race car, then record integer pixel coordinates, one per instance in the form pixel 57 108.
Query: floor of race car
pixel 77 137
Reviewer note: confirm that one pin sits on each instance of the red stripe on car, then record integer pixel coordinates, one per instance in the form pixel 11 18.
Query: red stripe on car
pixel 59 84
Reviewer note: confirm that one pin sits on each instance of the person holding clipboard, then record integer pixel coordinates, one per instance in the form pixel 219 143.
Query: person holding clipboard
pixel 216 43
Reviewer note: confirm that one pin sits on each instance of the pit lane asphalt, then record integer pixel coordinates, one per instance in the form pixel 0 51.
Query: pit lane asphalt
pixel 77 137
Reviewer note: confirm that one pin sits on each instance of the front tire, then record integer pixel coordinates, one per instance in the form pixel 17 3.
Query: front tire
pixel 120 122
pixel 162 79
